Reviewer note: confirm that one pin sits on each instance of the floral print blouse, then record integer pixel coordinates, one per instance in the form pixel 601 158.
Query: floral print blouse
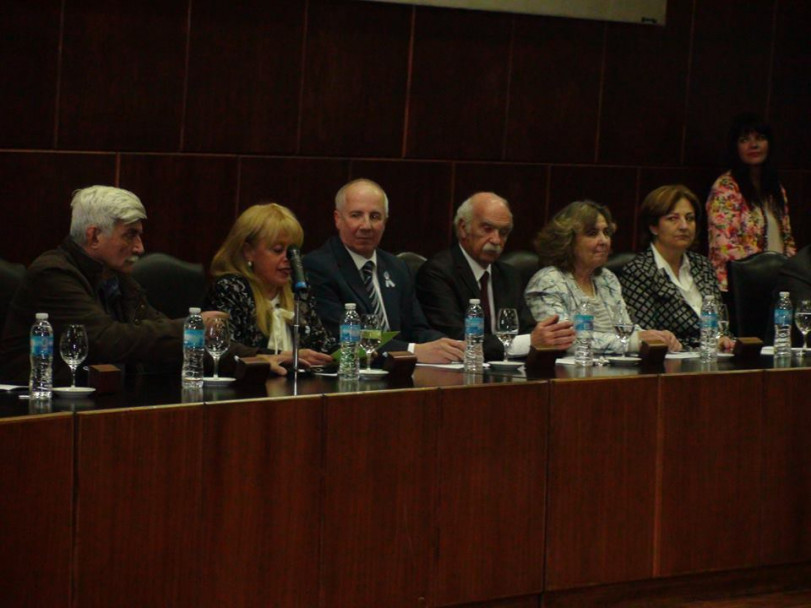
pixel 736 229
pixel 552 291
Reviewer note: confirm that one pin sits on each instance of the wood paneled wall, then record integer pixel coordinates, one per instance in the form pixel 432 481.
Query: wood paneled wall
pixel 204 107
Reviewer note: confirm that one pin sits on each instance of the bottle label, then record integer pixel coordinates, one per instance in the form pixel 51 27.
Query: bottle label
pixel 474 326
pixel 782 316
pixel 583 323
pixel 709 320
pixel 350 333
pixel 193 338
pixel 42 346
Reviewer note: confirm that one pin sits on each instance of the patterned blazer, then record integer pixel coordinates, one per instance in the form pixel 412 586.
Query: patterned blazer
pixel 232 293
pixel 655 302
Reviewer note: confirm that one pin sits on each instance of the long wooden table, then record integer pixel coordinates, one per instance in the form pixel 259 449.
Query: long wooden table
pixel 501 492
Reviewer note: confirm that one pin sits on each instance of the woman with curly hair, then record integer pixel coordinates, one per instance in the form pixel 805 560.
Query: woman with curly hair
pixel 573 248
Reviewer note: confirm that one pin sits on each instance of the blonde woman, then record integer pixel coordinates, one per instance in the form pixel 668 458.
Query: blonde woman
pixel 252 284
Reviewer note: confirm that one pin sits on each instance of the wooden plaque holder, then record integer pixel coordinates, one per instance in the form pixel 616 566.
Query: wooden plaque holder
pixel 105 378
pixel 400 364
pixel 540 362
pixel 746 349
pixel 652 353
pixel 252 370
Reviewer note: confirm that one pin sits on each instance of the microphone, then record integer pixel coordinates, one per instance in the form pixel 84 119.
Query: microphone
pixel 299 279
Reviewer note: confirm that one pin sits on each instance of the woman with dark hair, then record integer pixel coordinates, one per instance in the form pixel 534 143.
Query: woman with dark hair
pixel 666 282
pixel 573 248
pixel 747 210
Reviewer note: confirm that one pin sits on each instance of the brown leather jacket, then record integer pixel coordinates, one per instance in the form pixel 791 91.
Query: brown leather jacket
pixel 68 285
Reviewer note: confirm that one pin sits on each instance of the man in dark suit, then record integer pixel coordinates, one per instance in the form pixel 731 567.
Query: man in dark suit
pixel 351 268
pixel 471 269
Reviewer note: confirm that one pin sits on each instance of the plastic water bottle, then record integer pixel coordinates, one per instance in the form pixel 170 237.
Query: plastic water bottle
pixel 709 329
pixel 40 384
pixel 350 343
pixel 782 325
pixel 194 349
pixel 474 337
pixel 584 335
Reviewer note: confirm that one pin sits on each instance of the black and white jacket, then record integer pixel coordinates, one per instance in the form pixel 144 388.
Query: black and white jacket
pixel 655 302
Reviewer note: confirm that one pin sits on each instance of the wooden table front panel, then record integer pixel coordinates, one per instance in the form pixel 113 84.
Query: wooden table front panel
pixel 261 501
pixel 380 454
pixel 492 485
pixel 786 517
pixel 712 446
pixel 36 495
pixel 138 510
pixel 602 480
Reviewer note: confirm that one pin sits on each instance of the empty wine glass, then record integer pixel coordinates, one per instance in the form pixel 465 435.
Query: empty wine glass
pixel 507 327
pixel 723 319
pixel 623 327
pixel 73 348
pixel 371 335
pixel 218 340
pixel 802 319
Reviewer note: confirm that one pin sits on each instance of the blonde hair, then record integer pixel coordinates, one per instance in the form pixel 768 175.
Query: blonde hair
pixel 268 223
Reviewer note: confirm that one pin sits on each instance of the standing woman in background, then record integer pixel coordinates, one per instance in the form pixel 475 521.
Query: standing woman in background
pixel 747 210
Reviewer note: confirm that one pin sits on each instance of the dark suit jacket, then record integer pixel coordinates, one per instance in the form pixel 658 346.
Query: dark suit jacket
pixel 445 285
pixel 654 301
pixel 335 280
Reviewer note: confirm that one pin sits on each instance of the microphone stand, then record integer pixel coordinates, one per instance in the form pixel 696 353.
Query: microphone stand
pixel 296 322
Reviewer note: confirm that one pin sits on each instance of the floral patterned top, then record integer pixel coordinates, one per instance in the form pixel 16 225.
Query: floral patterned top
pixel 552 291
pixel 232 294
pixel 736 229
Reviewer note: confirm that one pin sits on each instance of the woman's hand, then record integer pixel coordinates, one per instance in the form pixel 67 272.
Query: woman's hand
pixel 726 344
pixel 276 361
pixel 673 345
pixel 312 357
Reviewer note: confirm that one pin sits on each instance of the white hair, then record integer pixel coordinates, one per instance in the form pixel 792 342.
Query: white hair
pixel 464 213
pixel 104 207
pixel 340 196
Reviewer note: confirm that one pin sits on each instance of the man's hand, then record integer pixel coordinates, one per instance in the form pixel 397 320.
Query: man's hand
pixel 210 315
pixel 552 334
pixel 443 350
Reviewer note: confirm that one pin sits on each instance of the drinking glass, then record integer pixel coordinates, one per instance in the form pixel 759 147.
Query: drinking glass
pixel 802 319
pixel 507 327
pixel 371 335
pixel 218 340
pixel 723 319
pixel 623 328
pixel 73 348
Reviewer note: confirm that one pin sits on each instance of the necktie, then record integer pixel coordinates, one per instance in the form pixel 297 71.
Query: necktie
pixel 368 282
pixel 485 301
